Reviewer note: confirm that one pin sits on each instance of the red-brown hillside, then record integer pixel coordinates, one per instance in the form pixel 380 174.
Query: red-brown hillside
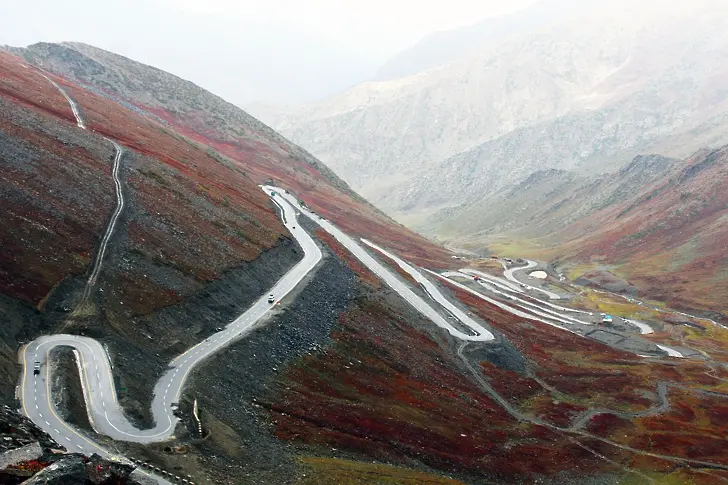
pixel 671 240
pixel 57 194
pixel 256 149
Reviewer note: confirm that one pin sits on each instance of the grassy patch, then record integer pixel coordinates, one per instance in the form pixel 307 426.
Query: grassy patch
pixel 520 249
pixel 332 471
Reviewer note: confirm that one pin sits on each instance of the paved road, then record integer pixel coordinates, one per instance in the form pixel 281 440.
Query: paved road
pixel 539 310
pixel 434 292
pixel 670 351
pixel 523 313
pixel 509 274
pixel 499 282
pixel 106 415
pixel 535 306
pixel 71 102
pixel 643 327
pixel 481 334
pixel 111 224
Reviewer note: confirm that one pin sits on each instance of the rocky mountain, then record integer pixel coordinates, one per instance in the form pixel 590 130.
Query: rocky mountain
pixel 342 380
pixel 584 93
pixel 31 457
pixel 440 48
pixel 550 200
pixel 658 223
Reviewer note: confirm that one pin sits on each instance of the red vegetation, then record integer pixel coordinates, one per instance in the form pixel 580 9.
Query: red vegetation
pixel 695 427
pixel 669 239
pixel 188 208
pixel 55 197
pixel 388 391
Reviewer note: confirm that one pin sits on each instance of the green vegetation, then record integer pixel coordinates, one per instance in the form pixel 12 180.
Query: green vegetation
pixel 332 471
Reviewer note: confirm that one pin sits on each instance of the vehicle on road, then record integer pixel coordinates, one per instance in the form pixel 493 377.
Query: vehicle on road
pixel 271 298
pixel 607 319
pixel 36 368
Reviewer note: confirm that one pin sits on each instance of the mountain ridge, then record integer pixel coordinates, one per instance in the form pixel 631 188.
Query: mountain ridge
pixel 586 94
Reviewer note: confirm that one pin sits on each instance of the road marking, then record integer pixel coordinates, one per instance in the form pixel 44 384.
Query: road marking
pixel 88 353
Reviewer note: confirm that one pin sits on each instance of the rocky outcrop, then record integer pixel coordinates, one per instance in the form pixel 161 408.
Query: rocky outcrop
pixel 29 456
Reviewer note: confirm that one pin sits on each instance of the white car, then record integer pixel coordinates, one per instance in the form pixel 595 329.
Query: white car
pixel 271 298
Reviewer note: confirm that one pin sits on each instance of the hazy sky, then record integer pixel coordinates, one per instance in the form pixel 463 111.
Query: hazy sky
pixel 248 50
pixel 371 27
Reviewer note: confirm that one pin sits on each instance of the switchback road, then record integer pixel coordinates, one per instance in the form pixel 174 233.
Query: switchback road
pixel 97 380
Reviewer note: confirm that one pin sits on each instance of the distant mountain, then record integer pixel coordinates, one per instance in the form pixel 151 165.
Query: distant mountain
pixel 669 236
pixel 584 94
pixel 550 200
pixel 443 47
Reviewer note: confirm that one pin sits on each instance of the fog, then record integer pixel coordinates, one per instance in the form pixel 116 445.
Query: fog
pixel 270 51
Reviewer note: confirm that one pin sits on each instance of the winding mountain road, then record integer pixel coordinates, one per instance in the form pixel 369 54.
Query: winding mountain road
pixel 97 380
pixel 96 373
pixel 480 333
pixel 509 274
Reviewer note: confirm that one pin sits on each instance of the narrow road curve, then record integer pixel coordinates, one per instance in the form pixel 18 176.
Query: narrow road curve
pixel 91 282
pixel 482 334
pixel 71 102
pixel 509 274
pixel 97 380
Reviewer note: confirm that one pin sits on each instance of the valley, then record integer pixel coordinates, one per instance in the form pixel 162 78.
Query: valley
pixel 240 315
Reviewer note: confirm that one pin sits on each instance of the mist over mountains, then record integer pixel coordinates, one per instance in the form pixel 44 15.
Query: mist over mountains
pixel 581 89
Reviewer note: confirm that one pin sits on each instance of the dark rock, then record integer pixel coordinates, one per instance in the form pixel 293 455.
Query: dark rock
pixel 70 470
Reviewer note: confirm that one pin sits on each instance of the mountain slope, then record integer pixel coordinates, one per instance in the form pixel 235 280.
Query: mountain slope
pixel 669 239
pixel 444 47
pixel 226 128
pixel 344 381
pixel 605 85
pixel 658 223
